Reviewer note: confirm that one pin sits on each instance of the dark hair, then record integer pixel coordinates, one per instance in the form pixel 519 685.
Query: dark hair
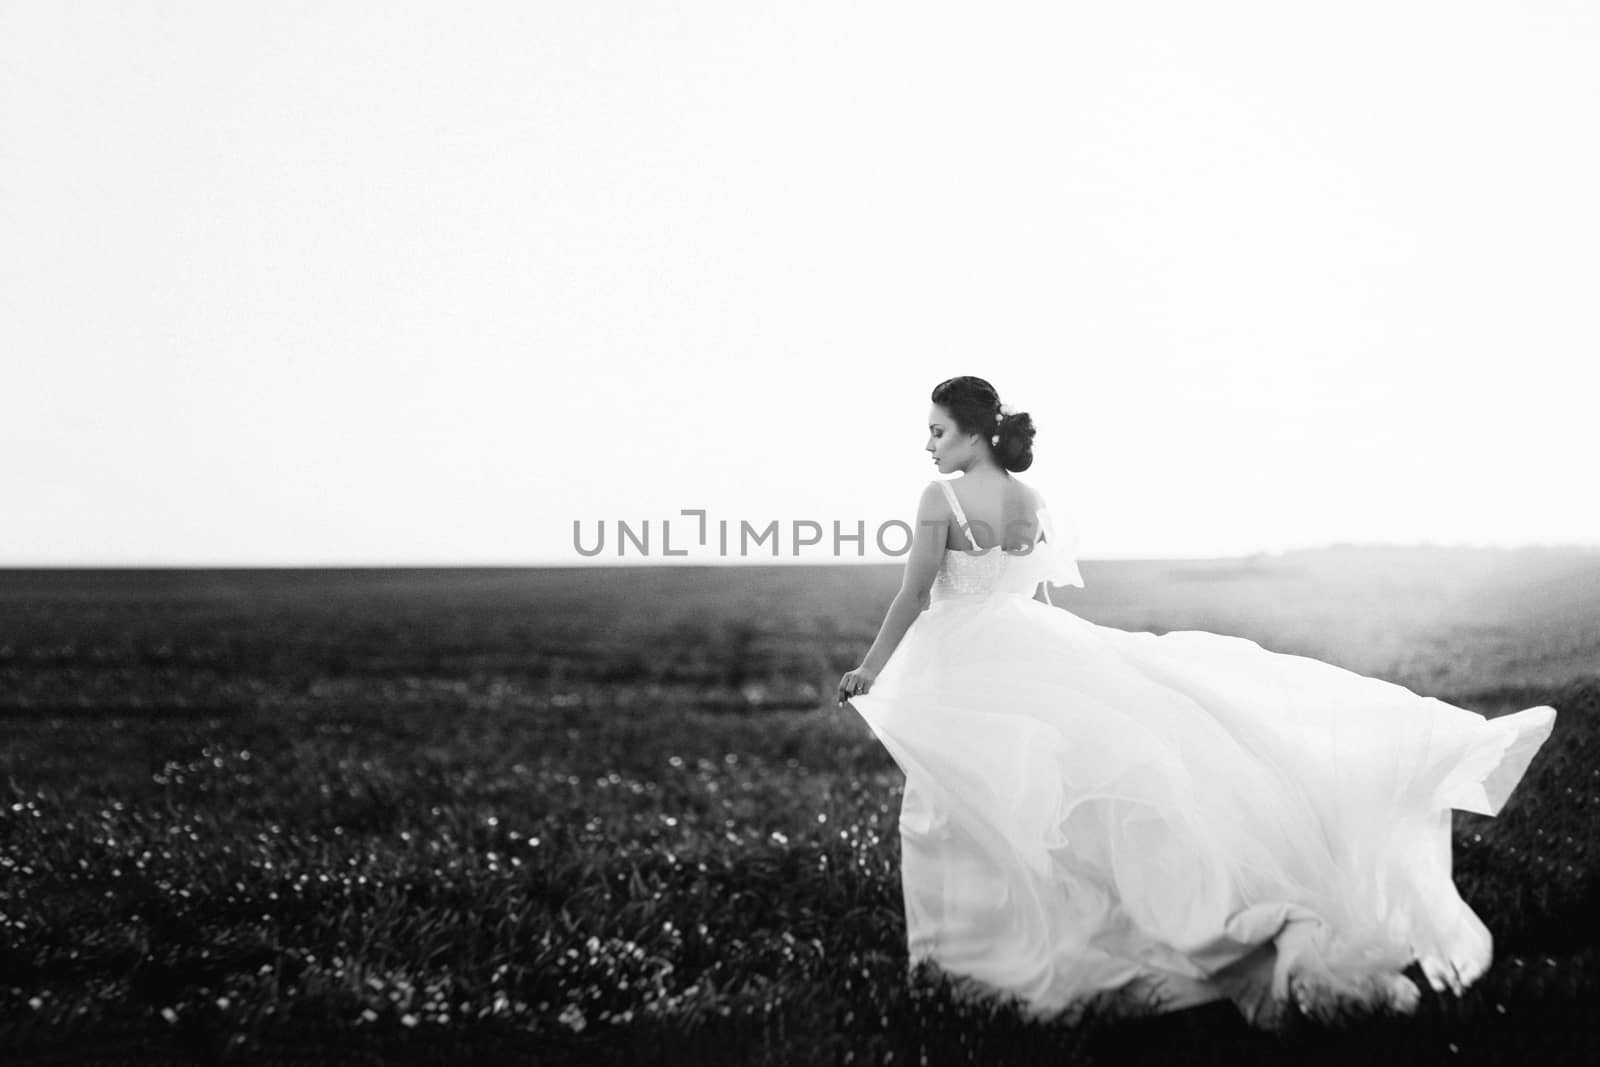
pixel 974 404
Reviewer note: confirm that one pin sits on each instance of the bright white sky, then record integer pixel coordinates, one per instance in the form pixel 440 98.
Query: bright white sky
pixel 305 283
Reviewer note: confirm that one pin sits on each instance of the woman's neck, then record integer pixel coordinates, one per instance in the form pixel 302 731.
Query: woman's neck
pixel 987 471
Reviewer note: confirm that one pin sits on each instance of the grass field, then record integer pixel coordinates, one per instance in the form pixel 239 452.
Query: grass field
pixel 612 815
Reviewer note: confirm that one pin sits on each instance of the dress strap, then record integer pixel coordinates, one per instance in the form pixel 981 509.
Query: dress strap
pixel 961 517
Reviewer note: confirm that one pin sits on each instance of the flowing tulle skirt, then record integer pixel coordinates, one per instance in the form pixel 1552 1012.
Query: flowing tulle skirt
pixel 1179 818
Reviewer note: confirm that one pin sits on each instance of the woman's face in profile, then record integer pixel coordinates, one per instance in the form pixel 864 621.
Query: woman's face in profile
pixel 950 447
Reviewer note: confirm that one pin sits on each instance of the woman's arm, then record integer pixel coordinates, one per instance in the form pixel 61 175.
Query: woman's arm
pixel 922 564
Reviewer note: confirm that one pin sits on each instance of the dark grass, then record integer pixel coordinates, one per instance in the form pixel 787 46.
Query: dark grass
pixel 608 817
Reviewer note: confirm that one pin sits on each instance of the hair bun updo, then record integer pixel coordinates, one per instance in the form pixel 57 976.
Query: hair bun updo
pixel 1014 448
pixel 976 408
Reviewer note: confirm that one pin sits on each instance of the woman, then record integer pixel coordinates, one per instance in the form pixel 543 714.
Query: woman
pixel 1144 821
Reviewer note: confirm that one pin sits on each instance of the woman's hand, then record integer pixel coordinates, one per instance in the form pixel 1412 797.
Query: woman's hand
pixel 856 682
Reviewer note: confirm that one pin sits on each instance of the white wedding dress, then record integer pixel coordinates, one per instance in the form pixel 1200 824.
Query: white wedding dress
pixel 1150 822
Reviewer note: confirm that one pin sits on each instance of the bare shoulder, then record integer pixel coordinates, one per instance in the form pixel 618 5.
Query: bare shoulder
pixel 932 502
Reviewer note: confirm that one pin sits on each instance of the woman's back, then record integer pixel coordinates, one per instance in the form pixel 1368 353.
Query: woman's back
pixel 998 511
pixel 1021 554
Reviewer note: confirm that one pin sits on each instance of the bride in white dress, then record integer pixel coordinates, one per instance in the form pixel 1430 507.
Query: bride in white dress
pixel 1150 822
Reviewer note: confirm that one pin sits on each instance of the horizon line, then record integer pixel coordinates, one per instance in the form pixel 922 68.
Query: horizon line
pixel 1573 547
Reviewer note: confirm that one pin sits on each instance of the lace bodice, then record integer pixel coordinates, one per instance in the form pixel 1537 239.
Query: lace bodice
pixel 984 572
pixel 965 574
